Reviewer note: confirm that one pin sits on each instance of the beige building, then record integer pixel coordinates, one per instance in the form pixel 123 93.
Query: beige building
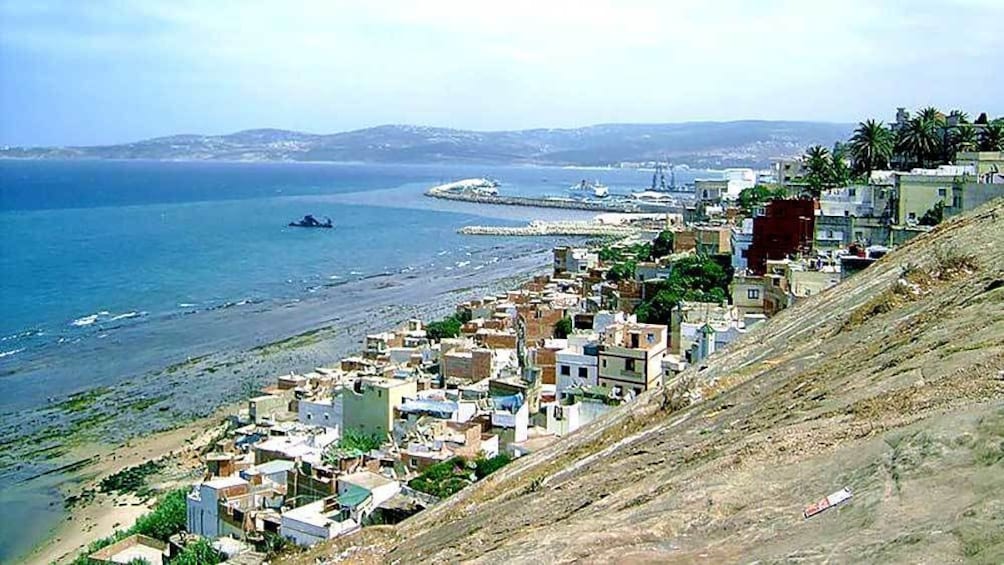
pixel 630 357
pixel 368 405
pixel 748 294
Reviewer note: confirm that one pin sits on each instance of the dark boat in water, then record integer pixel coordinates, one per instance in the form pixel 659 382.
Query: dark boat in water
pixel 309 221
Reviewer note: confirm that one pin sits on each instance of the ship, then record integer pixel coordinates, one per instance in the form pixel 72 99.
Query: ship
pixel 309 221
pixel 597 188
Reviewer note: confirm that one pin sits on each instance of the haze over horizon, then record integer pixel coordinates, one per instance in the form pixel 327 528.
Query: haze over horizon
pixel 111 72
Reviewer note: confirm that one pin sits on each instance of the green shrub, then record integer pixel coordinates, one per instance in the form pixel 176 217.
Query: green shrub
pixel 199 553
pixel 484 467
pixel 563 328
pixel 447 327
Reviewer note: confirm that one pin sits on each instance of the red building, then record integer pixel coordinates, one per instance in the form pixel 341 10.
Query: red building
pixel 786 229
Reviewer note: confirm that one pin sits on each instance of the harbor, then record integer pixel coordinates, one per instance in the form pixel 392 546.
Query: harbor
pixel 485 191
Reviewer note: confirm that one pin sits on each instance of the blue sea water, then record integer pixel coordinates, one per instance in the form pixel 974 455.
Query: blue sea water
pixel 89 249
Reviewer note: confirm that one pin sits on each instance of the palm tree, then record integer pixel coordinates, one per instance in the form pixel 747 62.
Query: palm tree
pixel 992 138
pixel 871 146
pixel 920 140
pixel 931 114
pixel 819 165
pixel 964 138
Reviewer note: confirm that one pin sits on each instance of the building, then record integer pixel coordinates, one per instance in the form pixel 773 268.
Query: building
pixel 710 191
pixel 741 240
pixel 574 261
pixel 324 519
pixel 204 503
pixel 133 549
pixel 787 171
pixel 920 190
pixel 787 228
pixel 325 412
pixel 748 294
pixel 368 405
pixel 578 364
pixel 630 357
pixel 269 407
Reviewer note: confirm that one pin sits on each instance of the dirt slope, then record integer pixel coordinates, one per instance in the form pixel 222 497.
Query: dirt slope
pixel 890 384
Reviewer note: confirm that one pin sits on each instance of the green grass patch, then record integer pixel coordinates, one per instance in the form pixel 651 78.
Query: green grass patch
pixel 81 401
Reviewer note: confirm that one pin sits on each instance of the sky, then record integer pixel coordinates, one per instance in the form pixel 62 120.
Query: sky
pixel 100 72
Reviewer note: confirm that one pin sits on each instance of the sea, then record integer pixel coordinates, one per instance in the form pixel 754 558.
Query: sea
pixel 112 268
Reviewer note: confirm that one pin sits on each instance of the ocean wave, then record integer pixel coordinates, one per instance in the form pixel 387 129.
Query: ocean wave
pixel 11 352
pixel 21 335
pixel 127 315
pixel 186 305
pixel 85 320
pixel 105 316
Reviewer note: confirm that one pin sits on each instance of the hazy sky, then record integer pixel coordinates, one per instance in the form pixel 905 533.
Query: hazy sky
pixel 88 71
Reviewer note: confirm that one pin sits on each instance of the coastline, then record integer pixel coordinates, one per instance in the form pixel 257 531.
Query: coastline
pixel 297 351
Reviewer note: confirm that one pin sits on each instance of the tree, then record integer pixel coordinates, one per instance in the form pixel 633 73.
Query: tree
pixel 931 114
pixel 964 138
pixel 818 162
pixel 758 195
pixel 920 141
pixel 662 245
pixel 563 328
pixel 871 146
pixel 447 327
pixel 694 278
pixel 840 173
pixel 621 271
pixel 168 517
pixel 992 137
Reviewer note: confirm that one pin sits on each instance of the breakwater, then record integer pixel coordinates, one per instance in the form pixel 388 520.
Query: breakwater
pixel 592 205
pixel 553 228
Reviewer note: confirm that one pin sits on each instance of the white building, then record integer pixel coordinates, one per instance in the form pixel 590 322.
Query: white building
pixel 203 504
pixel 576 365
pixel 325 412
pixel 316 522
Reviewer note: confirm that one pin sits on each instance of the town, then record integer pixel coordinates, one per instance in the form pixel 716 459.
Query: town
pixel 428 408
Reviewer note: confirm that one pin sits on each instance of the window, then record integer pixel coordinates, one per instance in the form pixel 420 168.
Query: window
pixel 583 373
pixel 604 363
pixel 310 416
pixel 852 192
pixel 629 364
pixel 753 293
pixel 637 391
pixel 650 338
pixel 413 462
pixel 942 192
pixel 327 417
pixel 566 370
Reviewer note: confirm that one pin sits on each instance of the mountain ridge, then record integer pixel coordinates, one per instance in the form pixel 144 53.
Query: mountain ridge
pixel 698 143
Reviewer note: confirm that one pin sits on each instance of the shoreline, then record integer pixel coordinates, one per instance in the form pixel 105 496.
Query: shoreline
pixel 85 522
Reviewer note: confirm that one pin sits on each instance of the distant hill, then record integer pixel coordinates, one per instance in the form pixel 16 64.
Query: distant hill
pixel 703 144
pixel 890 384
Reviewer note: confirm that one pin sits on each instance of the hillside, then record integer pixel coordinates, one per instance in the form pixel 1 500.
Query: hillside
pixel 706 144
pixel 890 384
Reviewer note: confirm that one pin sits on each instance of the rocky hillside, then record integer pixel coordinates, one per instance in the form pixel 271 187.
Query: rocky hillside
pixel 890 384
pixel 707 144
